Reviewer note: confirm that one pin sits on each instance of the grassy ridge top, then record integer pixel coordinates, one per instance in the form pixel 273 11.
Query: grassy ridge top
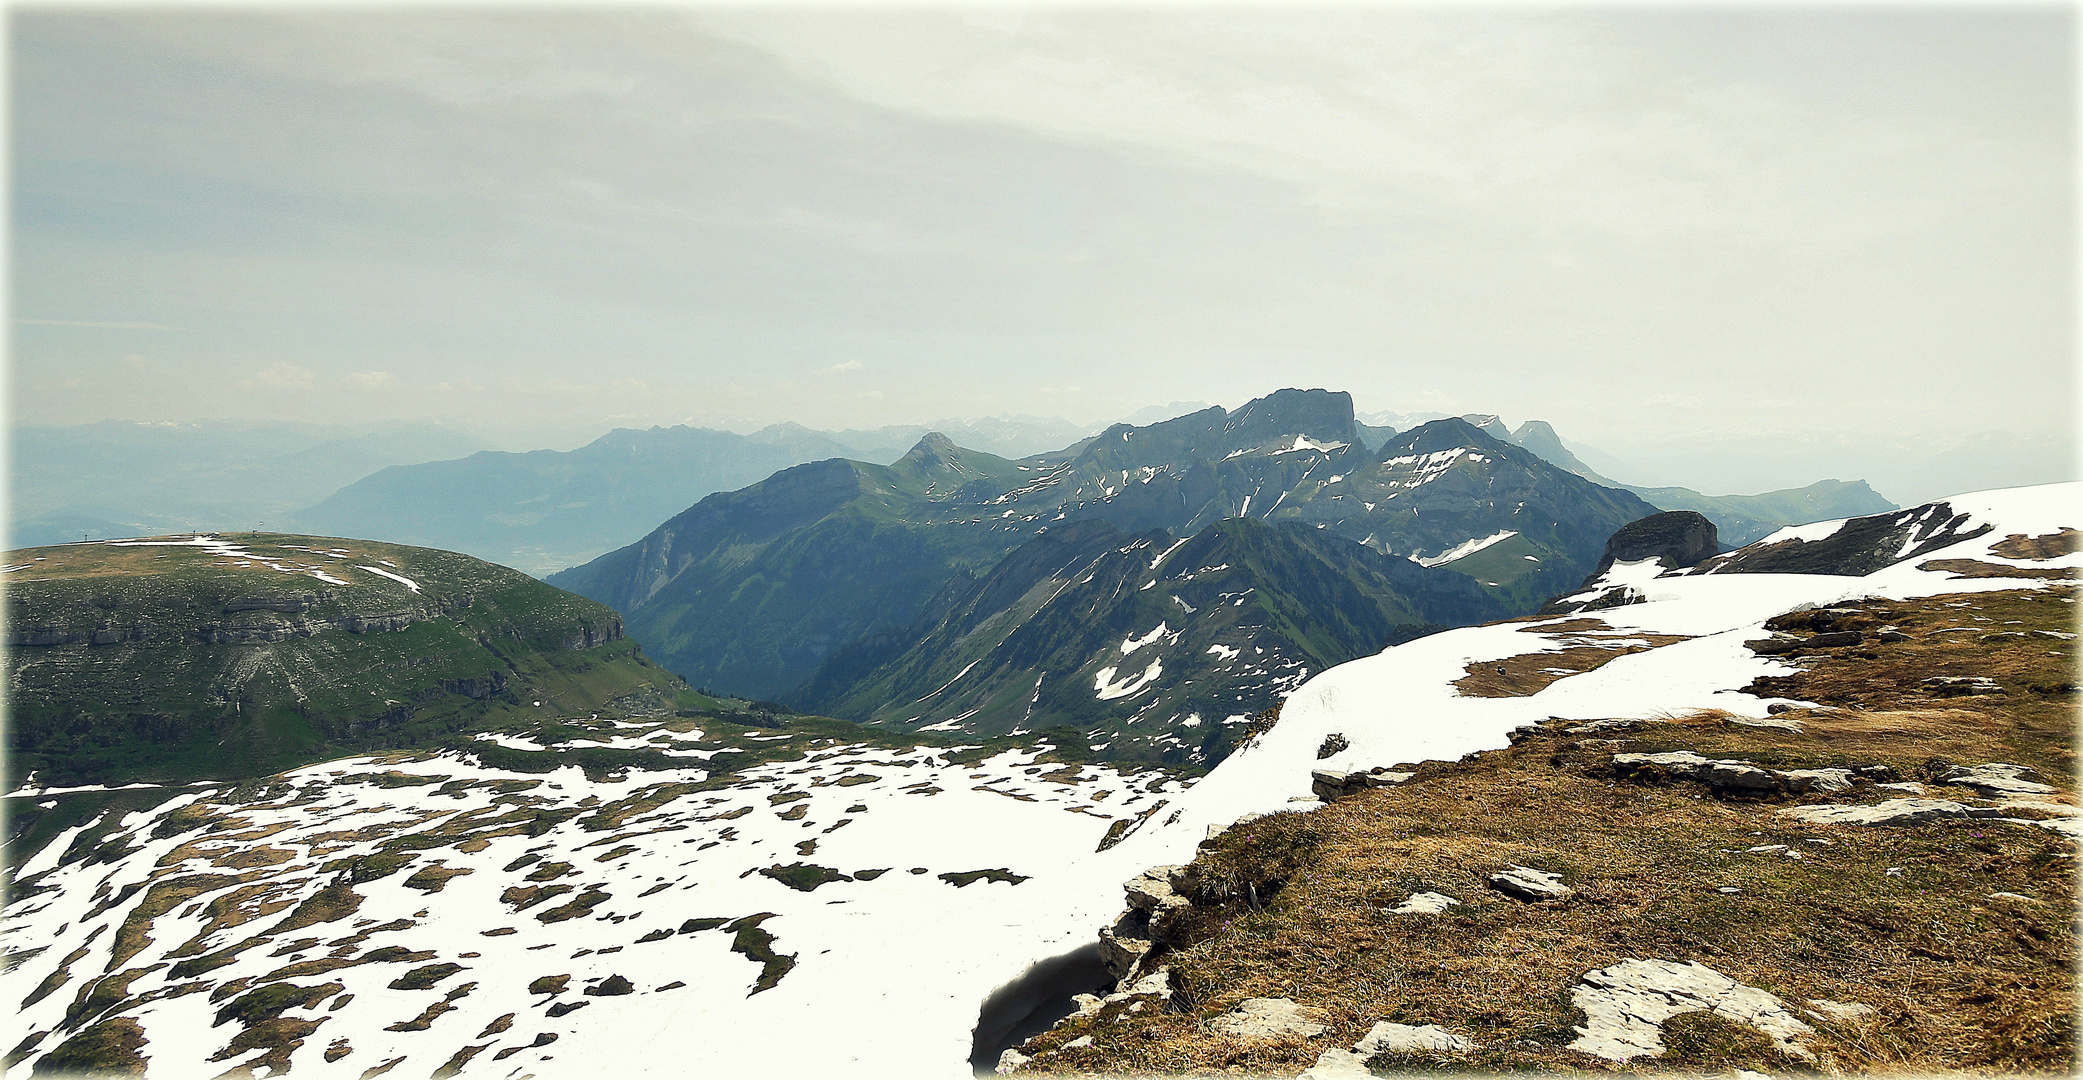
pixel 180 658
pixel 1918 948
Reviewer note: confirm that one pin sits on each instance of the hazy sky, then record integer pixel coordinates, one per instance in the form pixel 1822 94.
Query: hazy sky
pixel 1638 223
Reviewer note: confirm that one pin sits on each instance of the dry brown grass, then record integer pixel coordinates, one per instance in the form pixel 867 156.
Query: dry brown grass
pixel 1976 568
pixel 2047 546
pixel 1530 673
pixel 1963 982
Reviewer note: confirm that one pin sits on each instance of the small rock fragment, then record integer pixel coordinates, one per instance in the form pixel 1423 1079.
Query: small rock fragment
pixel 1424 903
pixel 1270 1018
pixel 1840 1010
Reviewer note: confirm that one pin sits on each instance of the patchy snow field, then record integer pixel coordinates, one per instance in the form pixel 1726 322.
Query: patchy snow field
pixel 647 881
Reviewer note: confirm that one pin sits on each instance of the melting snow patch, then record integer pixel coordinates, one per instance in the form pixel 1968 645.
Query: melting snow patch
pixel 1108 690
pixel 1129 645
pixel 399 578
pixel 1463 549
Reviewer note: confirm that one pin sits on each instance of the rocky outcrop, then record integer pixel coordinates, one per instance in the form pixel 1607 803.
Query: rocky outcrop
pixel 1124 946
pixel 1330 785
pixel 1858 547
pixel 1676 538
pixel 1739 779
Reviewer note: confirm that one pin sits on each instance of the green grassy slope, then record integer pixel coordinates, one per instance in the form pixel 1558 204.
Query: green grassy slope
pixel 175 661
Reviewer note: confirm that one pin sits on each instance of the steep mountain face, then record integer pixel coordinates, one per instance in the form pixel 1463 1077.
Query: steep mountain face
pixel 1157 646
pixel 751 589
pixel 749 592
pixel 217 657
pixel 546 509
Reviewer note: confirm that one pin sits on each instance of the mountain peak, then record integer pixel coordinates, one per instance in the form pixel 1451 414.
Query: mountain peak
pixel 1319 414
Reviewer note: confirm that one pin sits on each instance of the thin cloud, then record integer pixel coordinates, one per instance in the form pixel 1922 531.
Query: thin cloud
pixel 94 325
pixel 841 369
pixel 280 376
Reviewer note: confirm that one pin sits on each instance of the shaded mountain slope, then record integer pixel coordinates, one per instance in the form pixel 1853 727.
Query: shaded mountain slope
pixel 1155 645
pixel 752 588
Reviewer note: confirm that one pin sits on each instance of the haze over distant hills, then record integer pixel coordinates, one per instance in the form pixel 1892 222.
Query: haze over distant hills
pixel 127 478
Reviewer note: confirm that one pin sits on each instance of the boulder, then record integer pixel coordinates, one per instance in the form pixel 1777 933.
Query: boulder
pixel 1724 774
pixel 1270 1018
pixel 1387 1038
pixel 1527 883
pixel 1625 1006
pixel 1892 812
pixel 1834 640
pixel 1009 1061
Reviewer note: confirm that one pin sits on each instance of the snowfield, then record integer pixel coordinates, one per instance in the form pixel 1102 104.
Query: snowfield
pixel 890 965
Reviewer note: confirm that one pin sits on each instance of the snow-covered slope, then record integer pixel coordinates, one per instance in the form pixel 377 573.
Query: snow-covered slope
pixel 889 968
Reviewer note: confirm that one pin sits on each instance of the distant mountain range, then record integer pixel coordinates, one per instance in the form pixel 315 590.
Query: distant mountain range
pixel 753 592
pixel 123 478
pixel 543 510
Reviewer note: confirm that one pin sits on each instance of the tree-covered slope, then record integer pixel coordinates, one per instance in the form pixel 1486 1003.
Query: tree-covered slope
pixel 188 657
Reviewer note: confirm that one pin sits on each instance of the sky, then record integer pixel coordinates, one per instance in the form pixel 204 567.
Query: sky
pixel 1836 239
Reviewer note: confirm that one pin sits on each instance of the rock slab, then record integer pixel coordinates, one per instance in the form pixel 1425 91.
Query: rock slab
pixel 1625 1006
pixel 1526 883
pixel 1387 1038
pixel 1892 812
